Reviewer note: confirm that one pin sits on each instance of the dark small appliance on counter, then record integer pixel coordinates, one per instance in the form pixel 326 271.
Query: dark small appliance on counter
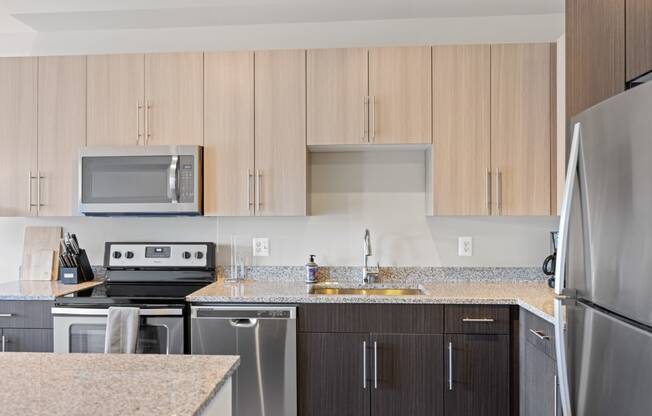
pixel 550 261
pixel 74 267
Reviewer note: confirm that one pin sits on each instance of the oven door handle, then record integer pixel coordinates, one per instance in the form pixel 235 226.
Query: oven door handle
pixel 105 312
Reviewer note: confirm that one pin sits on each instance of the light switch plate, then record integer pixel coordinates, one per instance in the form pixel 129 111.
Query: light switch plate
pixel 465 246
pixel 261 247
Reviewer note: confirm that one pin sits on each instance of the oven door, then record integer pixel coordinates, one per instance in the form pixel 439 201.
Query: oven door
pixel 83 330
pixel 140 180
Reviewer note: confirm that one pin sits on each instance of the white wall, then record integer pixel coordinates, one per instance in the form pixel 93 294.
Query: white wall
pixel 381 190
pixel 384 192
pixel 531 28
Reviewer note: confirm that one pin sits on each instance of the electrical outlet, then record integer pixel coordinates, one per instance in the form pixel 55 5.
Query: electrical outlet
pixel 261 247
pixel 465 246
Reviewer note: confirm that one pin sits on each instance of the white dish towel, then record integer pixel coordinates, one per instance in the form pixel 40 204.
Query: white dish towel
pixel 121 330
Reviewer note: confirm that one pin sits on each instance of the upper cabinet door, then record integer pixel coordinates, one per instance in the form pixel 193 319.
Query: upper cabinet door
pixel 61 131
pixel 338 86
pixel 638 38
pixel 174 99
pixel 229 133
pixel 461 156
pixel 520 128
pixel 400 90
pixel 116 94
pixel 280 126
pixel 18 136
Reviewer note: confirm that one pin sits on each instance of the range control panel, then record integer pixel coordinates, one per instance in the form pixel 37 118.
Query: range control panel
pixel 159 255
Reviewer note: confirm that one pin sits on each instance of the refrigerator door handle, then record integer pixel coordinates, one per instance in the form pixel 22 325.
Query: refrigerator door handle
pixel 560 270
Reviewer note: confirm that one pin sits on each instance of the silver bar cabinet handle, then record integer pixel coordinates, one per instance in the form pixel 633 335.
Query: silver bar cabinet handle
pixel 488 191
pixel 6 315
pixel 38 191
pixel 372 104
pixel 365 124
pixel 499 191
pixel 138 135
pixel 364 364
pixel 148 134
pixel 477 320
pixel 258 183
pixel 4 341
pixel 375 365
pixel 450 366
pixel 30 204
pixel 540 334
pixel 249 177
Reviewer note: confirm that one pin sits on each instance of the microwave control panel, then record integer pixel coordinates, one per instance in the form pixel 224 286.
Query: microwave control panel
pixel 186 179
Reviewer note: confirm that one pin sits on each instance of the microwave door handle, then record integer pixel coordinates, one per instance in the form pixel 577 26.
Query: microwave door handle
pixel 172 179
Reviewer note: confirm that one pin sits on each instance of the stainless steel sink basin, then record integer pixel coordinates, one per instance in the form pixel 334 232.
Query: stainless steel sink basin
pixel 403 291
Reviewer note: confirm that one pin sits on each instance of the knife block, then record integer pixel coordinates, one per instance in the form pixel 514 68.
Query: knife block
pixel 75 275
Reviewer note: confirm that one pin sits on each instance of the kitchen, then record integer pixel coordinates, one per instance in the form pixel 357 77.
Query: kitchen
pixel 418 153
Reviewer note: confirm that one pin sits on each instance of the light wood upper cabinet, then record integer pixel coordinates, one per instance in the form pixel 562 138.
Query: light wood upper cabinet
pixel 18 136
pixel 461 152
pixel 280 126
pixel 229 133
pixel 521 128
pixel 116 94
pixel 400 89
pixel 61 131
pixel 174 99
pixel 337 89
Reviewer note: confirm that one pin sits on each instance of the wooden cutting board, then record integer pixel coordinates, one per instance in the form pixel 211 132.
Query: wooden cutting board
pixel 41 253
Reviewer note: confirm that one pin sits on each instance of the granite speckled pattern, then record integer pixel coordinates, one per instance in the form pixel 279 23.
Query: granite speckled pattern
pixel 110 384
pixel 393 273
pixel 536 297
pixel 40 289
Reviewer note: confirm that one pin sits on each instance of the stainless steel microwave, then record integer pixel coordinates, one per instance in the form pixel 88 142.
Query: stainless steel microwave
pixel 141 180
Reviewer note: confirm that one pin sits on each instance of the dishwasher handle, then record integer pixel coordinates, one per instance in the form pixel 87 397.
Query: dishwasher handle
pixel 243 312
pixel 243 323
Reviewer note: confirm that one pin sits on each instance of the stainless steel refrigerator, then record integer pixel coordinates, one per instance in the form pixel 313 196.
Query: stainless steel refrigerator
pixel 604 264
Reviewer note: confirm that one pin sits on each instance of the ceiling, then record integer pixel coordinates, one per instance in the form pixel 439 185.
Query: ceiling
pixel 73 15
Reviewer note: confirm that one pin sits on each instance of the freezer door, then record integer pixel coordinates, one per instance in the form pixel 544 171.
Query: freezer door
pixel 609 364
pixel 610 234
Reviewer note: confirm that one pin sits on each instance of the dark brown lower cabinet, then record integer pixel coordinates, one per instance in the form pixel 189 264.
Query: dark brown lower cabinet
pixel 540 381
pixel 477 375
pixel 406 375
pixel 26 340
pixel 331 374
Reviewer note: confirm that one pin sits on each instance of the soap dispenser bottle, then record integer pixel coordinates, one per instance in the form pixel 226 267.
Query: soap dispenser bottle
pixel 311 270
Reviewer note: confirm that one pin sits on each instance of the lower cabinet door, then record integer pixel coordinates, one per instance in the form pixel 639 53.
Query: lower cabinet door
pixel 333 374
pixel 27 340
pixel 540 396
pixel 406 375
pixel 477 375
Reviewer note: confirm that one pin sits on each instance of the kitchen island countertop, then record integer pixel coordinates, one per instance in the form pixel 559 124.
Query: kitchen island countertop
pixel 111 384
pixel 40 289
pixel 535 297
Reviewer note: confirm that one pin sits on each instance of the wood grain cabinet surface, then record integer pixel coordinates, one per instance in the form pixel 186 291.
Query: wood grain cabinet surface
pixel 18 105
pixel 521 128
pixel 26 326
pixel 461 147
pixel 115 99
pixel 61 132
pixel 280 133
pixel 638 37
pixel 229 133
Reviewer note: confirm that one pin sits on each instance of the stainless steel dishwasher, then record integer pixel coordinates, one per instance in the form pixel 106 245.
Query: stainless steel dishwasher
pixel 264 336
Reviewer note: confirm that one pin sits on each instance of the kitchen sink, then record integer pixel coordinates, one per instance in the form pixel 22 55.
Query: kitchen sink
pixel 377 291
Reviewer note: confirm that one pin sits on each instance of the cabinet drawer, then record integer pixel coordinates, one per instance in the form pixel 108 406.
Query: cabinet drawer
pixel 27 340
pixel 366 318
pixel 477 319
pixel 25 314
pixel 538 332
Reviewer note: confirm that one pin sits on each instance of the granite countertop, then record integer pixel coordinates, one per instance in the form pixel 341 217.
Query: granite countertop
pixel 40 289
pixel 536 297
pixel 110 384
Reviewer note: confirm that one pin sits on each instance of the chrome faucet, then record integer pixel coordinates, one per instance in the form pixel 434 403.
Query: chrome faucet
pixel 369 274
